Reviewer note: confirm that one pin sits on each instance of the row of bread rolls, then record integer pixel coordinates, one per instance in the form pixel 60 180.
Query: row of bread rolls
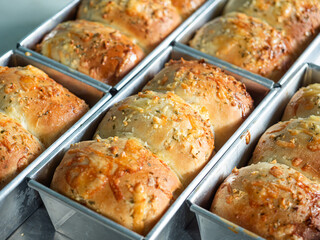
pixel 149 146
pixel 34 112
pixel 277 196
pixel 110 37
pixel 261 36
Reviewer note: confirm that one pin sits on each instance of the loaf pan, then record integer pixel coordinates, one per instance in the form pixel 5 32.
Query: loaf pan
pixel 211 225
pixel 78 222
pixel 17 201
pixel 28 44
pixel 215 10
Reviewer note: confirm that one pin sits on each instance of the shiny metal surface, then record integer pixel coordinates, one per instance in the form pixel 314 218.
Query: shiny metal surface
pixel 17 201
pixel 65 213
pixel 211 225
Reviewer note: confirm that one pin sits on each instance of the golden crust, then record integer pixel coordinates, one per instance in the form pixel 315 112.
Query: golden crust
pixel 38 103
pixel 271 200
pixel 246 42
pixel 304 103
pixel 18 148
pixel 118 178
pixel 187 7
pixel 147 22
pixel 295 143
pixel 170 127
pixel 93 49
pixel 299 20
pixel 209 90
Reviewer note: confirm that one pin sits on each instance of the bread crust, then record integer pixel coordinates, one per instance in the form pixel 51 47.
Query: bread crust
pixel 295 143
pixel 18 148
pixel 210 91
pixel 187 7
pixel 246 42
pixel 147 22
pixel 167 125
pixel 119 178
pixel 38 103
pixel 271 200
pixel 100 52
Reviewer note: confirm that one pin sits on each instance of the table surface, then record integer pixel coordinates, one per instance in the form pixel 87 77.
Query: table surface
pixel 19 17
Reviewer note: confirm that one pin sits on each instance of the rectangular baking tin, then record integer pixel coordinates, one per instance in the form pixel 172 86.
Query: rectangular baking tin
pixel 17 200
pixel 212 226
pixel 68 215
pixel 214 10
pixel 69 13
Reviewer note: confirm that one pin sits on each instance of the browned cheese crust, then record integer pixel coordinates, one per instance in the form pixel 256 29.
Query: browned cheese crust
pixel 295 143
pixel 147 22
pixel 246 42
pixel 38 103
pixel 118 178
pixel 187 7
pixel 93 49
pixel 208 90
pixel 167 125
pixel 271 200
pixel 18 148
pixel 304 103
pixel 299 20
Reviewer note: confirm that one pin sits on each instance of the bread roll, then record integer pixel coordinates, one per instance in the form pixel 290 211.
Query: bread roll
pixel 118 178
pixel 167 125
pixel 187 7
pixel 208 89
pixel 295 143
pixel 18 148
pixel 100 52
pixel 296 19
pixel 38 103
pixel 246 42
pixel 271 200
pixel 147 22
pixel 304 103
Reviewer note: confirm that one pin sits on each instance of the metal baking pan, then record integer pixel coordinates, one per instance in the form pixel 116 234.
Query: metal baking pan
pixel 215 10
pixel 211 225
pixel 69 13
pixel 78 222
pixel 17 201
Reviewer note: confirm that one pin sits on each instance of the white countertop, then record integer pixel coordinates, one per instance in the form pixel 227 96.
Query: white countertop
pixel 19 17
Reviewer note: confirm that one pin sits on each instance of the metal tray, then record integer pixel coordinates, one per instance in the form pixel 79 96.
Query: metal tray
pixel 78 222
pixel 211 225
pixel 215 10
pixel 17 201
pixel 69 13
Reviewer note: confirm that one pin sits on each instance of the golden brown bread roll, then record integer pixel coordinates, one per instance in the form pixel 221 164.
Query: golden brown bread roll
pixel 246 42
pixel 186 7
pixel 18 148
pixel 119 178
pixel 295 143
pixel 147 22
pixel 208 89
pixel 38 103
pixel 100 52
pixel 304 103
pixel 298 20
pixel 271 200
pixel 167 125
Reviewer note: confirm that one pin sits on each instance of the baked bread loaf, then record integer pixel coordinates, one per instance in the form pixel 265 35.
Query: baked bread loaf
pixel 304 103
pixel 298 20
pixel 295 143
pixel 38 103
pixel 119 178
pixel 246 42
pixel 18 148
pixel 100 52
pixel 186 7
pixel 207 89
pixel 147 22
pixel 271 200
pixel 167 125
